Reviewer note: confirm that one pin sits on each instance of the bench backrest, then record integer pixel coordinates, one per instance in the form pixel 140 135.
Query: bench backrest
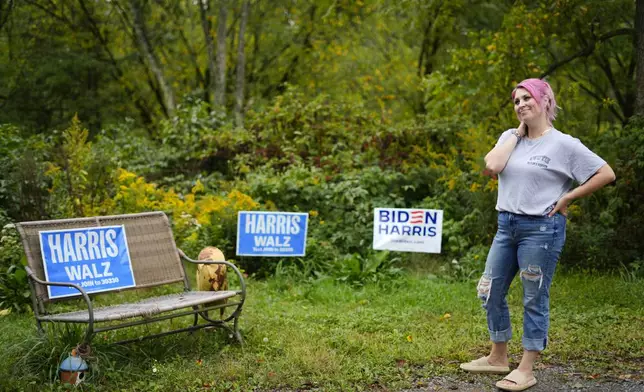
pixel 153 253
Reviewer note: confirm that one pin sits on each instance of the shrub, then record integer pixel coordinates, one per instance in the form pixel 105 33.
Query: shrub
pixel 81 181
pixel 333 159
pixel 11 252
pixel 23 185
pixel 376 267
pixel 605 230
pixel 14 287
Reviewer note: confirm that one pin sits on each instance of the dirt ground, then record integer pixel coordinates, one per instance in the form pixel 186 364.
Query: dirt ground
pixel 551 379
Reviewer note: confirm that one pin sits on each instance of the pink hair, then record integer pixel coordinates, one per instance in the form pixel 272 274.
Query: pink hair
pixel 540 89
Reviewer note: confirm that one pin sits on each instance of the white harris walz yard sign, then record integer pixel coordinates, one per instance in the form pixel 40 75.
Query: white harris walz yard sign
pixel 267 233
pixel 408 230
pixel 95 258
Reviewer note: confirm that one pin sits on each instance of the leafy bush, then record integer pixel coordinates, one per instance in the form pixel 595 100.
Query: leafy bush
pixel 605 230
pixel 11 252
pixel 469 267
pixel 81 182
pixel 333 159
pixel 196 140
pixel 14 287
pixel 23 185
pixel 376 267
pixel 10 143
pixel 199 219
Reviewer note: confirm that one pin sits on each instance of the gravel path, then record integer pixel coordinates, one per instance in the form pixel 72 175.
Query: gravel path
pixel 552 379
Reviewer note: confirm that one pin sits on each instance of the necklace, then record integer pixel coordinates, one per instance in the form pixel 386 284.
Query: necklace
pixel 542 133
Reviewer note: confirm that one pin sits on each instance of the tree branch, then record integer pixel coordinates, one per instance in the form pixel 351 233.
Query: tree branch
pixel 5 11
pixel 423 47
pixel 598 97
pixel 295 60
pixel 193 58
pixel 118 72
pixel 605 66
pixel 616 56
pixel 639 57
pixel 53 14
pixel 151 59
pixel 587 51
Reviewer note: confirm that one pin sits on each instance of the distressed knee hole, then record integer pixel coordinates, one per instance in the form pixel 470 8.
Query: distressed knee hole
pixel 484 287
pixel 532 273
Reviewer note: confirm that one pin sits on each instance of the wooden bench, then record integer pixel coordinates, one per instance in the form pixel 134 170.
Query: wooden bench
pixel 155 261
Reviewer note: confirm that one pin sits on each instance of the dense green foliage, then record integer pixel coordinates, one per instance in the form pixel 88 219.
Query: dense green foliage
pixel 105 108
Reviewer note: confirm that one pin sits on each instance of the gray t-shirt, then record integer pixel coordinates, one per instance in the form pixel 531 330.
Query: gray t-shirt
pixel 540 171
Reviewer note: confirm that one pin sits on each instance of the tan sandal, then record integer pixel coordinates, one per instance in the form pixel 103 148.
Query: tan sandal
pixel 521 382
pixel 481 365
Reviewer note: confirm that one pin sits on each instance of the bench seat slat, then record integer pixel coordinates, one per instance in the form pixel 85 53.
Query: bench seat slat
pixel 145 308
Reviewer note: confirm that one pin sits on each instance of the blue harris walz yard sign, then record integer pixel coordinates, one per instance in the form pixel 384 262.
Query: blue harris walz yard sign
pixel 95 258
pixel 262 233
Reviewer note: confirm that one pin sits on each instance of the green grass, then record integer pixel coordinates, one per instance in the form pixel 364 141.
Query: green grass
pixel 336 337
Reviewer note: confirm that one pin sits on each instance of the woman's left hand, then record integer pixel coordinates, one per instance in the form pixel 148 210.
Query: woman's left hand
pixel 561 206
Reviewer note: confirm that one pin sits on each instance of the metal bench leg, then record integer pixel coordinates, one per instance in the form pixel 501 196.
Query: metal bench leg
pixel 89 334
pixel 194 324
pixel 41 330
pixel 196 319
pixel 236 331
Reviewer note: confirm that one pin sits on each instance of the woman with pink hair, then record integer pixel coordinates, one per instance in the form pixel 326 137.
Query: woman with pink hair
pixel 536 165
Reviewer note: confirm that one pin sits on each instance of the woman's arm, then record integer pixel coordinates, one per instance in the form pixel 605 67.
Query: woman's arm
pixel 497 158
pixel 605 175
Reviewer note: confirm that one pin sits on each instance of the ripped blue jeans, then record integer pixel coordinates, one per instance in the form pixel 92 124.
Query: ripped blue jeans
pixel 530 245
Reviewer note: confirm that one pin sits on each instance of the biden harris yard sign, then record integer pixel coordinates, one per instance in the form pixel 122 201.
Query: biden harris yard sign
pixel 408 230
pixel 95 258
pixel 262 233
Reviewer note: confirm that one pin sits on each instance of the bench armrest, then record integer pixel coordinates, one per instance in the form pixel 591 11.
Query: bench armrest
pixel 229 264
pixel 88 301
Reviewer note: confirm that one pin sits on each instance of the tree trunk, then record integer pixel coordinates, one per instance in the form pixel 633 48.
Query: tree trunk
pixel 5 11
pixel 241 66
pixel 639 42
pixel 204 8
pixel 117 74
pixel 151 58
pixel 220 88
